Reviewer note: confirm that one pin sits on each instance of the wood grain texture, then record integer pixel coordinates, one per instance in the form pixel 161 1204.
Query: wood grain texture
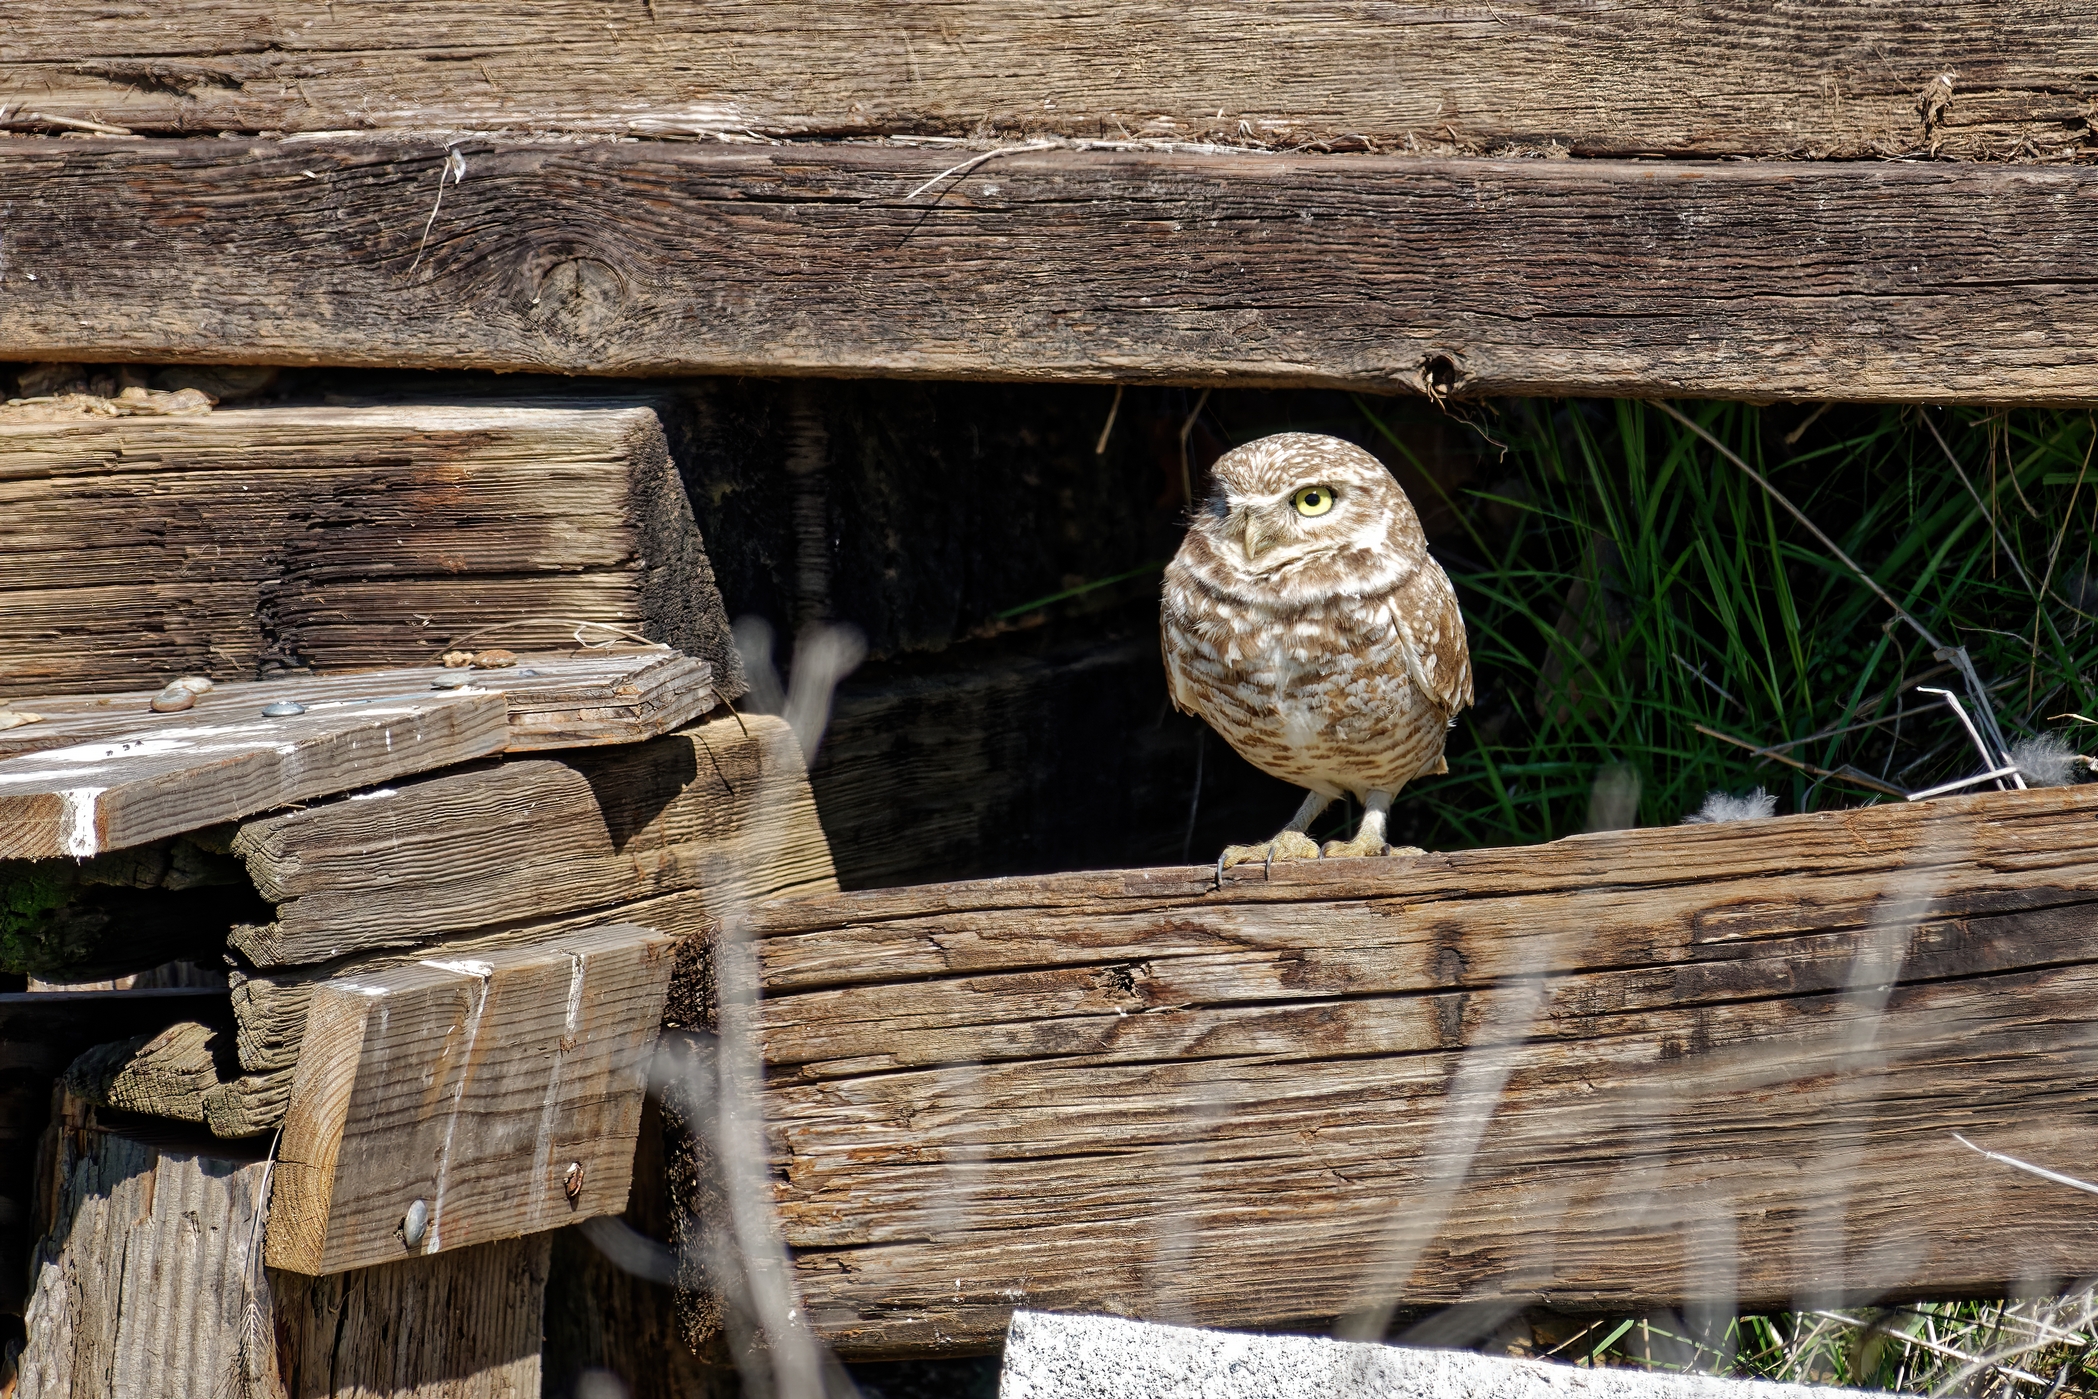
pixel 576 698
pixel 151 1285
pixel 1717 1062
pixel 502 1092
pixel 105 773
pixel 1801 281
pixel 723 808
pixel 199 769
pixel 461 1325
pixel 1804 78
pixel 340 538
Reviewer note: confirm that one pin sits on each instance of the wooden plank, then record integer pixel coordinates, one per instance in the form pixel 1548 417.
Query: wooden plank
pixel 105 772
pixel 340 538
pixel 722 807
pixel 579 698
pixel 1718 1060
pixel 192 772
pixel 1922 282
pixel 150 1283
pixel 492 1097
pixel 1678 79
pixel 461 1325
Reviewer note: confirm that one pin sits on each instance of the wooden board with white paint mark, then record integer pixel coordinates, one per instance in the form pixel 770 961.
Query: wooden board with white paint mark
pixel 1621 1070
pixel 104 772
pixel 197 769
pixel 484 1097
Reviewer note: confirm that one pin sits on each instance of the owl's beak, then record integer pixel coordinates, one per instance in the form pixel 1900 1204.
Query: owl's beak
pixel 1259 537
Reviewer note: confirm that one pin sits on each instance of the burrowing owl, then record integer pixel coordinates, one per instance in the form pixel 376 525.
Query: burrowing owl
pixel 1305 621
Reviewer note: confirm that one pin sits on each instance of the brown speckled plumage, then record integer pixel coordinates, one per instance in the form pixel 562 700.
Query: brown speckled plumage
pixel 1327 650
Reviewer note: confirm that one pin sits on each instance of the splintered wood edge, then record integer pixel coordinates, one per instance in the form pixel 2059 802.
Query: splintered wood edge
pixel 303 1184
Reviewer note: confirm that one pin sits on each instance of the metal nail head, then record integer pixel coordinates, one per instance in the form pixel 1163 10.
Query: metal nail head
pixel 572 1183
pixel 282 709
pixel 414 1222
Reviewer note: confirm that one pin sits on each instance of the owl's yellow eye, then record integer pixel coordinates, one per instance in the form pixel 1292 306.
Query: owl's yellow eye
pixel 1313 500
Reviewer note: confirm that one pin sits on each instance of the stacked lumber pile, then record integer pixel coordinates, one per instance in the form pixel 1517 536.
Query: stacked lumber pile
pixel 449 911
pixel 361 769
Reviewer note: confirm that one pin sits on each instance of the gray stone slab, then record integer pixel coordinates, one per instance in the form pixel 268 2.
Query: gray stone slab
pixel 1104 1357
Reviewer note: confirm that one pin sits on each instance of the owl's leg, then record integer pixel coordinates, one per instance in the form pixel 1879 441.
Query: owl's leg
pixel 1290 843
pixel 1369 835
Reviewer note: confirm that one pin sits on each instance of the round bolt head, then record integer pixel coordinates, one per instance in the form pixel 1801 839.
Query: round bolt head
pixel 195 684
pixel 173 700
pixel 282 709
pixel 415 1222
pixel 453 680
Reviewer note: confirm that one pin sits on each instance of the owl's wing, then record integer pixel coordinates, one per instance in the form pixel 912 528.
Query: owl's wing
pixel 1175 686
pixel 1433 645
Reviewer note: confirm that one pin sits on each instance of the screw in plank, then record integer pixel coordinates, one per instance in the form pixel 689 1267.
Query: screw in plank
pixel 282 709
pixel 414 1222
pixel 572 1183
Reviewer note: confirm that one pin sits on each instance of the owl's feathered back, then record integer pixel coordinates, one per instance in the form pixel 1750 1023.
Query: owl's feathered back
pixel 1323 643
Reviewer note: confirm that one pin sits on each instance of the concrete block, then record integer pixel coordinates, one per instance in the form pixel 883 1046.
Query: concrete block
pixel 1104 1357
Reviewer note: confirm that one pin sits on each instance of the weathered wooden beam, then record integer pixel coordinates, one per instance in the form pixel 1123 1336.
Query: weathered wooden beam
pixel 150 1279
pixel 99 773
pixel 339 539
pixel 722 807
pixel 1819 79
pixel 1918 282
pixel 150 1282
pixel 456 1101
pixel 1625 1070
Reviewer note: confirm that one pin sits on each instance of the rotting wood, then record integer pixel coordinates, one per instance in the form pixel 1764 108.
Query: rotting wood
pixel 462 1325
pixel 1854 281
pixel 722 807
pixel 104 773
pixel 1717 1063
pixel 165 1074
pixel 2008 81
pixel 457 1101
pixel 150 1284
pixel 342 538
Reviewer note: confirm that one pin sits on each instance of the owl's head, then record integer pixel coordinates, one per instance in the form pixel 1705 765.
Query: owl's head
pixel 1297 496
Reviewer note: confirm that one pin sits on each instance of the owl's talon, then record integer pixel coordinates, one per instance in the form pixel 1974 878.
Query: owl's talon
pixel 1290 845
